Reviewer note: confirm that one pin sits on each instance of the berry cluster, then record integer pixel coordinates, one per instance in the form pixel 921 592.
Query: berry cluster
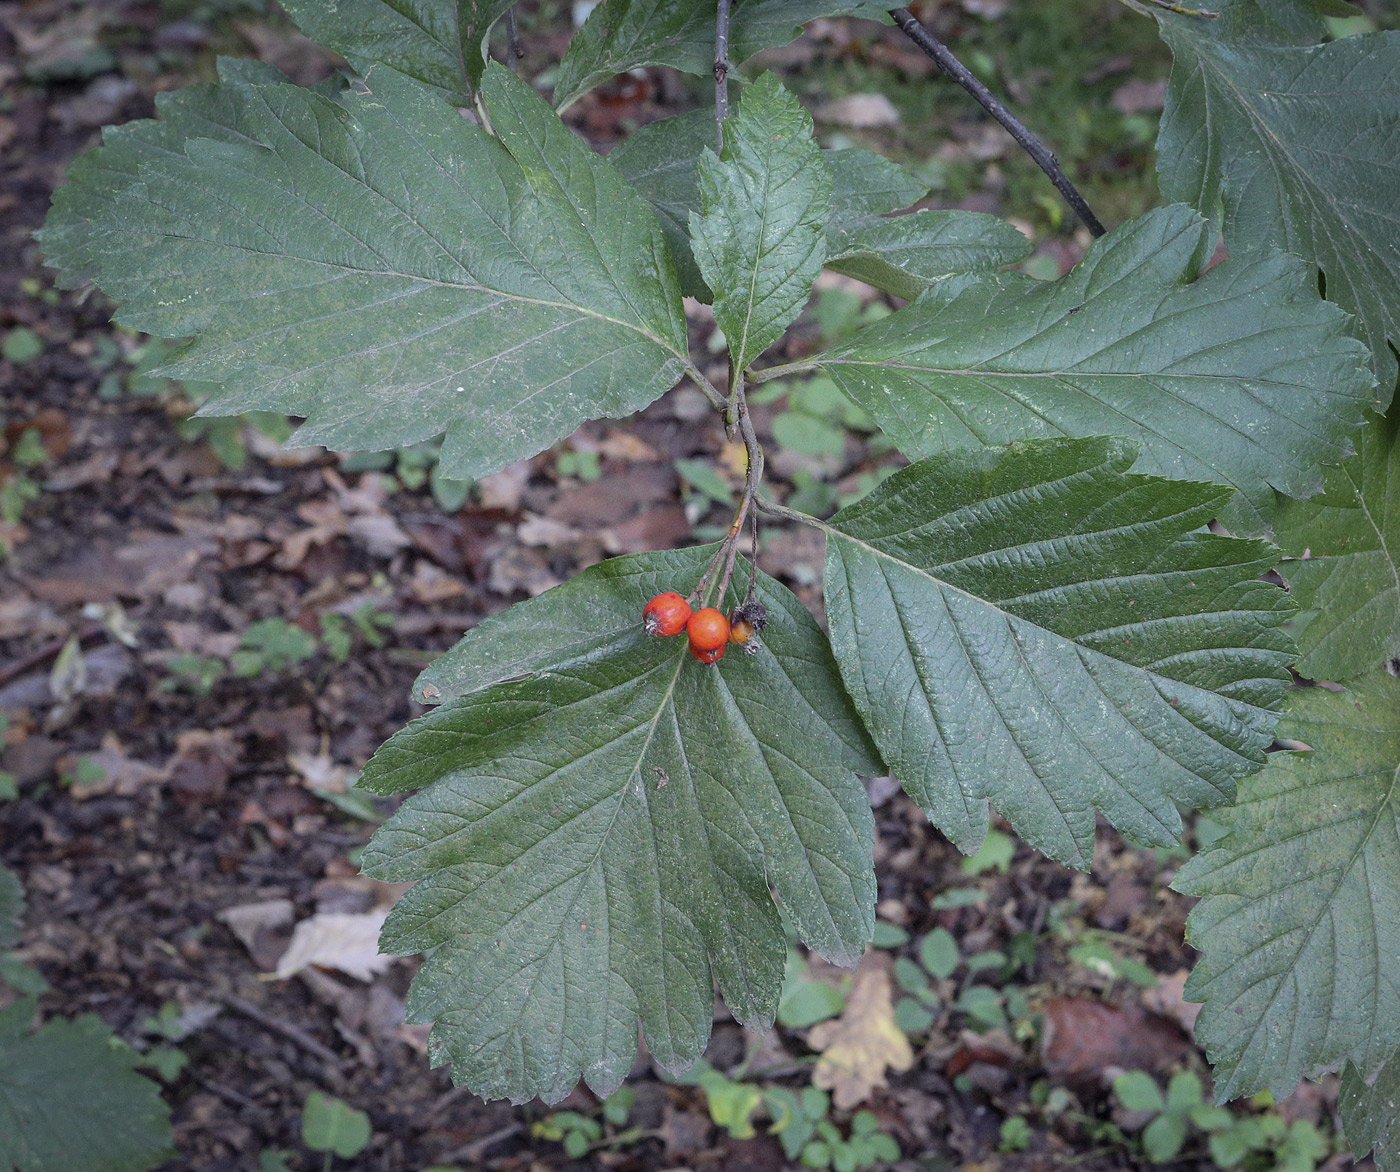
pixel 708 630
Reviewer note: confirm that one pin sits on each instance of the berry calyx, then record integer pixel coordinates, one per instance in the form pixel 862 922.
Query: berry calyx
pixel 666 614
pixel 713 656
pixel 708 630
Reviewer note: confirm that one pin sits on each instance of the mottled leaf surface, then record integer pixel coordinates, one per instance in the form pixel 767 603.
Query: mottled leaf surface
pixel 1298 147
pixel 595 838
pixel 1037 628
pixel 1299 924
pixel 1349 586
pixel 760 235
pixel 622 34
pixel 436 42
pixel 432 277
pixel 662 161
pixel 71 1100
pixel 1241 374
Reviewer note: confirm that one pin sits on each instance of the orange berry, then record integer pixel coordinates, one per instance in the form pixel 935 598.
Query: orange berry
pixel 708 629
pixel 708 656
pixel 666 614
pixel 740 630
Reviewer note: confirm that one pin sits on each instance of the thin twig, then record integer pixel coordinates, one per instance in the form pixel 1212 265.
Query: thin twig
pixel 513 50
pixel 286 1029
pixel 1045 158
pixel 721 70
pixel 785 371
pixel 773 509
pixel 711 392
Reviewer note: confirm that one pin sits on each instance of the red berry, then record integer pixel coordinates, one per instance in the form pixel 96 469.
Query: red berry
pixel 666 614
pixel 708 629
pixel 708 656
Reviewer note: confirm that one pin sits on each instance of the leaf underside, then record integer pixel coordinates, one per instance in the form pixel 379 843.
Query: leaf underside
pixel 433 278
pixel 1371 1113
pixel 1349 586
pixel 1241 375
pixel 759 237
pixel 1035 628
pixel 1297 147
pixel 1299 924
pixel 597 840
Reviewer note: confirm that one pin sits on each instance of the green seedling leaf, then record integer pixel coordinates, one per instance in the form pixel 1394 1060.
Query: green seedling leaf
pixel 1135 341
pixel 21 345
pixel 1162 1139
pixel 331 1125
pixel 1300 921
pixel 1138 1091
pixel 596 841
pixel 911 1016
pixel 1293 147
pixel 439 258
pixel 622 34
pixel 1371 1112
pixel 11 907
pixel 618 1105
pixel 1349 587
pixel 1035 627
pixel 70 1098
pixel 907 254
pixel 759 237
pixel 439 44
pixel 798 432
pixel 806 1001
pixel 938 953
pixel 889 935
pixel 732 1104
pixel 995 854
pixel 702 477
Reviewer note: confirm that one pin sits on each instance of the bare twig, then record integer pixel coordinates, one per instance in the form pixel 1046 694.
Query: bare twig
pixel 787 369
pixel 513 50
pixel 286 1029
pixel 1044 157
pixel 710 391
pixel 721 70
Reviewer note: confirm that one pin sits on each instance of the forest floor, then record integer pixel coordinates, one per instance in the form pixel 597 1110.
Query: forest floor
pixel 203 635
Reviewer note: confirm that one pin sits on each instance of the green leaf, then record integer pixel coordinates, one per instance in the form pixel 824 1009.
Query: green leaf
pixel 732 1104
pixel 598 838
pixel 71 1100
pixel 1138 1091
pixel 437 42
pixel 1295 148
pixel 622 34
pixel 1349 588
pixel 662 161
pixel 1371 1113
pixel 11 907
pixel 938 953
pixel 1300 920
pixel 805 1001
pixel 520 269
pixel 329 1124
pixel 543 635
pixel 906 254
pixel 1163 1137
pixel 21 345
pixel 1035 627
pixel 1134 341
pixel 760 236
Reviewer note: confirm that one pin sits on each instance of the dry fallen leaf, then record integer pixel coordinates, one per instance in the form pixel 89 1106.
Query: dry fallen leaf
pixel 860 111
pixel 858 1046
pixel 337 940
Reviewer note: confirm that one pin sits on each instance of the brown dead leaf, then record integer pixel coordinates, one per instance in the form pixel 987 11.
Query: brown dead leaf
pixel 108 770
pixel 1166 998
pixel 858 1046
pixel 859 111
pixel 1086 1039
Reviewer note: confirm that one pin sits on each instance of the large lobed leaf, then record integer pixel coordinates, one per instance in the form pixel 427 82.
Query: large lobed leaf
pixel 437 42
pixel 901 255
pixel 1299 924
pixel 1241 374
pixel 598 833
pixel 759 237
pixel 71 1100
pixel 622 34
pixel 1036 628
pixel 1299 148
pixel 389 270
pixel 1349 586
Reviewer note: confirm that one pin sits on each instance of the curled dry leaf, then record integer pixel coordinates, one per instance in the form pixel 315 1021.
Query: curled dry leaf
pixel 858 1046
pixel 337 940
